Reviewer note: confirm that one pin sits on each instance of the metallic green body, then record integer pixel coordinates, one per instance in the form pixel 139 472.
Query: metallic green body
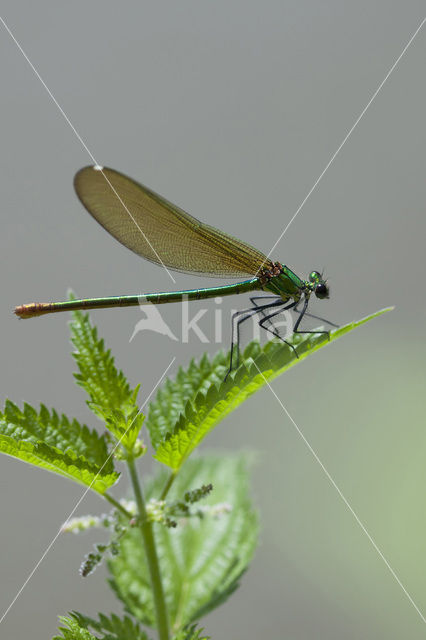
pixel 287 285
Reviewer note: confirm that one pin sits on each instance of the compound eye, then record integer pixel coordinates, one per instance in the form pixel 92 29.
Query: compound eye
pixel 314 276
pixel 321 290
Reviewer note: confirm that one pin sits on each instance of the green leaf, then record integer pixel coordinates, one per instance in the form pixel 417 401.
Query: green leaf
pixel 55 430
pixel 191 633
pixel 106 385
pixel 202 560
pixel 111 397
pixel 73 631
pixel 110 627
pixel 57 444
pixel 189 407
pixel 173 395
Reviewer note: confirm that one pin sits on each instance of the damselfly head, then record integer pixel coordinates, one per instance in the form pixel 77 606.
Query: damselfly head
pixel 319 285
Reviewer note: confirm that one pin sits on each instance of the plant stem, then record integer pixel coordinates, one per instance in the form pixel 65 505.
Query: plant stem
pixel 117 505
pixel 151 555
pixel 168 484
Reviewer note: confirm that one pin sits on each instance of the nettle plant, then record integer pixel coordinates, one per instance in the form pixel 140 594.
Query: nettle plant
pixel 179 547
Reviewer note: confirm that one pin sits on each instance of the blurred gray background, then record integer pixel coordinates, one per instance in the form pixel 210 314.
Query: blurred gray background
pixel 231 110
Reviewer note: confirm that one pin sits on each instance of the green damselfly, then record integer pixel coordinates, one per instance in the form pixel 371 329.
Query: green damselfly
pixel 163 233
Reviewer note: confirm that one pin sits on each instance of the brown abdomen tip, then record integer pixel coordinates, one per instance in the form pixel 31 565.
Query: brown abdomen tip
pixel 30 310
